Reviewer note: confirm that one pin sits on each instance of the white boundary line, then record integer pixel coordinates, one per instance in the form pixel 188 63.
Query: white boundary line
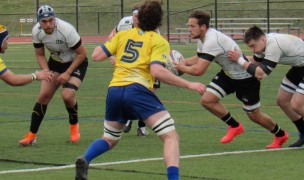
pixel 148 159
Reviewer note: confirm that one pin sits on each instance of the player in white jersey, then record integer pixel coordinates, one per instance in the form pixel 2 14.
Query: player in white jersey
pixel 214 46
pixel 124 24
pixel 273 49
pixel 68 60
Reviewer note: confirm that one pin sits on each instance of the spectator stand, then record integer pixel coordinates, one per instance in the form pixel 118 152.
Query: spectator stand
pixel 236 27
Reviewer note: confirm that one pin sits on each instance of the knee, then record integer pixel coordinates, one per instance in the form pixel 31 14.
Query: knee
pixel 297 107
pixel 170 136
pixel 67 96
pixel 253 116
pixel 44 98
pixel 205 103
pixel 281 103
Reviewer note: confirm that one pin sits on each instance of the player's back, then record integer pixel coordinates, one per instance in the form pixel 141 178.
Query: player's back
pixel 218 45
pixel 135 50
pixel 285 49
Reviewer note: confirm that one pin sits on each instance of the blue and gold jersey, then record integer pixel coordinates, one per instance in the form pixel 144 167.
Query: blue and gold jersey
pixel 3 67
pixel 135 51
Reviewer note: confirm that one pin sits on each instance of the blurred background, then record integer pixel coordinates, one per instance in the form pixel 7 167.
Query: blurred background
pixel 98 17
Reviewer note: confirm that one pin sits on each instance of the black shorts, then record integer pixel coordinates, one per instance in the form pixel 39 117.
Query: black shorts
pixel 295 75
pixel 62 67
pixel 156 84
pixel 246 90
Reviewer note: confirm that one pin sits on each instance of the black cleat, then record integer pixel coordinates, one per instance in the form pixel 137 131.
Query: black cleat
pixel 128 127
pixel 299 142
pixel 82 167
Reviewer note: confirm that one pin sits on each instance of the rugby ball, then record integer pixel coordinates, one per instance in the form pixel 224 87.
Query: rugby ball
pixel 177 57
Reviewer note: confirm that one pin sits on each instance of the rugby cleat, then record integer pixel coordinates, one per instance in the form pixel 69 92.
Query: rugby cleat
pixel 299 142
pixel 74 130
pixel 82 167
pixel 278 141
pixel 128 127
pixel 29 139
pixel 232 133
pixel 142 131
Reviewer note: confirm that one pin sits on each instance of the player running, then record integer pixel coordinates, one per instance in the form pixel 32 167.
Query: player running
pixel 270 50
pixel 213 46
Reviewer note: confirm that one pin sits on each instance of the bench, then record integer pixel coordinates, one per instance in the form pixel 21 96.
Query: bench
pixel 236 29
pixel 276 24
pixel 180 34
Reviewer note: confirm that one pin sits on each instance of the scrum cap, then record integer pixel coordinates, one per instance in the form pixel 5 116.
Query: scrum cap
pixel 3 35
pixel 45 11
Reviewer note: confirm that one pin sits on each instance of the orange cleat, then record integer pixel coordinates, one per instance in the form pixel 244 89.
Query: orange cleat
pixel 75 135
pixel 232 133
pixel 278 141
pixel 29 139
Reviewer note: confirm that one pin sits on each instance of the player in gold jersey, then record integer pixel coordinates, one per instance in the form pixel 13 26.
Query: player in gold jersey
pixel 141 54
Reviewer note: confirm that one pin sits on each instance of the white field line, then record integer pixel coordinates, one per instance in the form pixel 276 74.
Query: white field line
pixel 146 160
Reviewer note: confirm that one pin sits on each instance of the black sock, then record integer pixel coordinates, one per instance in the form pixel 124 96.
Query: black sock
pixel 37 116
pixel 277 131
pixel 229 120
pixel 73 115
pixel 300 125
pixel 141 124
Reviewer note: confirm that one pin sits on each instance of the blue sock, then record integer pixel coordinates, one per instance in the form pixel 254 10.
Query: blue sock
pixel 173 173
pixel 96 148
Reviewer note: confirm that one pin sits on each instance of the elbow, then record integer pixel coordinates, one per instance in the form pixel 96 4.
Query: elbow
pixel 155 75
pixel 198 72
pixel 95 57
pixel 260 74
pixel 13 83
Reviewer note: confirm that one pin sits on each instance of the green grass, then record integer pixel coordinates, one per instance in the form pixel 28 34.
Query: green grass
pixel 203 156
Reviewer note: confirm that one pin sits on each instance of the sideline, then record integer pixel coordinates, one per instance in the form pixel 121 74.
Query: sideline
pixel 146 160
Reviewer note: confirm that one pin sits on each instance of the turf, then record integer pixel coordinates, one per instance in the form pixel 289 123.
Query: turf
pixel 203 156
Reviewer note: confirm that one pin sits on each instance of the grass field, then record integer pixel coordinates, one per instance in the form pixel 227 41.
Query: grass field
pixel 137 158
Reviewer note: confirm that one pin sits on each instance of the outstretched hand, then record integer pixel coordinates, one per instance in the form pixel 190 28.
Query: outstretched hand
pixel 112 60
pixel 44 75
pixel 197 86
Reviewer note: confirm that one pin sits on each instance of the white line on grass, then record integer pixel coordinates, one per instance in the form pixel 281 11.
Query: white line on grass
pixel 145 160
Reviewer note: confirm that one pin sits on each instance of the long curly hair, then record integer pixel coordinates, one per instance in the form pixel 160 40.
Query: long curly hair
pixel 150 15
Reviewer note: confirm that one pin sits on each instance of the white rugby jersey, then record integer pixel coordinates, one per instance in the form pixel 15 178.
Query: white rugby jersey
pixel 125 23
pixel 284 49
pixel 218 45
pixel 59 43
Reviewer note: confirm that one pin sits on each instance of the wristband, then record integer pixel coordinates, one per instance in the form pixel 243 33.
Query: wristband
pixel 34 77
pixel 241 61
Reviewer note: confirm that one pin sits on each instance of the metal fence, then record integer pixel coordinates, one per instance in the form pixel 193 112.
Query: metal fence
pixel 98 17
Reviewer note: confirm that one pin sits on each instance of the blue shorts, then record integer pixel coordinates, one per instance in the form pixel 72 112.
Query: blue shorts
pixel 131 102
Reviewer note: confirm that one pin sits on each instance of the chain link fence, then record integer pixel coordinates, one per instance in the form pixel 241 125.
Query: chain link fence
pixel 98 17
